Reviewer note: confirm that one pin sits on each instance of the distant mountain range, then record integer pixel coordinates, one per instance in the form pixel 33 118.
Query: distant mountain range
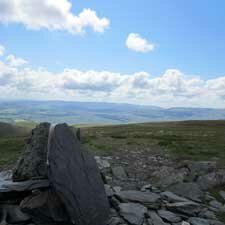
pixel 99 113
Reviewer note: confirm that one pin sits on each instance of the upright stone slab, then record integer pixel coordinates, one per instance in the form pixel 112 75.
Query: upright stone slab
pixel 74 175
pixel 32 164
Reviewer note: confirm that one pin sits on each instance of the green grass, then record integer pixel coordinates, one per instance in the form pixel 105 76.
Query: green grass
pixel 194 140
pixel 10 150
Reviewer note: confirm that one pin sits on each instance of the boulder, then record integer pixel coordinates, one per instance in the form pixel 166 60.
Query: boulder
pixel 45 208
pixel 133 213
pixel 75 177
pixel 32 164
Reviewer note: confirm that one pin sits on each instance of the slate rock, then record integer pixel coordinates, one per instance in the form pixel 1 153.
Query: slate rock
pixel 102 163
pixel 190 209
pixel 119 173
pixel 188 190
pixel 199 168
pixel 198 221
pixel 45 207
pixel 150 200
pixel 155 219
pixel 208 214
pixel 169 216
pixel 74 175
pixel 212 179
pixel 215 204
pixel 171 197
pixel 108 190
pixel 10 186
pixel 134 213
pixel 32 164
pixel 167 176
pixel 13 215
pixel 5 175
pixel 222 194
pixel 115 221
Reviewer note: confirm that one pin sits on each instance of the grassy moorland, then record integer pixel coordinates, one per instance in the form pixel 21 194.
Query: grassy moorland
pixel 195 140
pixel 12 140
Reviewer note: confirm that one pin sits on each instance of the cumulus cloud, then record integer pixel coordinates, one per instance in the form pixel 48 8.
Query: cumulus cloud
pixel 136 43
pixel 2 50
pixel 51 15
pixel 172 88
pixel 14 61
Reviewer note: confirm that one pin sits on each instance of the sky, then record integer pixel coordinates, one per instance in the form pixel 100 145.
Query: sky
pixel 163 53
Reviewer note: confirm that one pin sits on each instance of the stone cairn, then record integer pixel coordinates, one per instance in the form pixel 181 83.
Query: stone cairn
pixel 58 182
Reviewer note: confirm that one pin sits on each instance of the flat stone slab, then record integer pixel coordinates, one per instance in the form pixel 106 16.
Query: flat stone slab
pixel 134 213
pixel 148 199
pixel 10 186
pixel 74 175
pixel 169 216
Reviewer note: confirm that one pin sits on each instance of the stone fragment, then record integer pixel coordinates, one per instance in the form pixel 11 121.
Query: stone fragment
pixel 171 197
pixel 13 215
pixel 108 190
pixel 190 209
pixel 169 216
pixel 134 213
pixel 150 200
pixel 216 204
pixel 222 194
pixel 198 221
pixel 155 219
pixel 119 173
pixel 102 163
pixel 187 190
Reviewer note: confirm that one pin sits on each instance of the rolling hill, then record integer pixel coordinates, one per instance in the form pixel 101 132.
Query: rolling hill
pixel 99 113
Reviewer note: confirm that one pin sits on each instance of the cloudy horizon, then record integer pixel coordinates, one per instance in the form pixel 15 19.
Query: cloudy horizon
pixel 24 76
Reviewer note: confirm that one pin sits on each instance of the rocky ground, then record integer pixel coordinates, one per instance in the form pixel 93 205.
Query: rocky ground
pixel 179 196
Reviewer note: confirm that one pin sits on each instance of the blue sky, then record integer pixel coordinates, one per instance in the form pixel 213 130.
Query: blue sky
pixel 188 37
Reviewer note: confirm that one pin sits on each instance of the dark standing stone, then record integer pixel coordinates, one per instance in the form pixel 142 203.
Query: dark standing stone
pixel 75 177
pixel 32 164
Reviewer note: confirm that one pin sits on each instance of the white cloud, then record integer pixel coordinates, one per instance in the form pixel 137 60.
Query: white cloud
pixel 15 61
pixel 2 50
pixel 172 88
pixel 136 43
pixel 51 15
